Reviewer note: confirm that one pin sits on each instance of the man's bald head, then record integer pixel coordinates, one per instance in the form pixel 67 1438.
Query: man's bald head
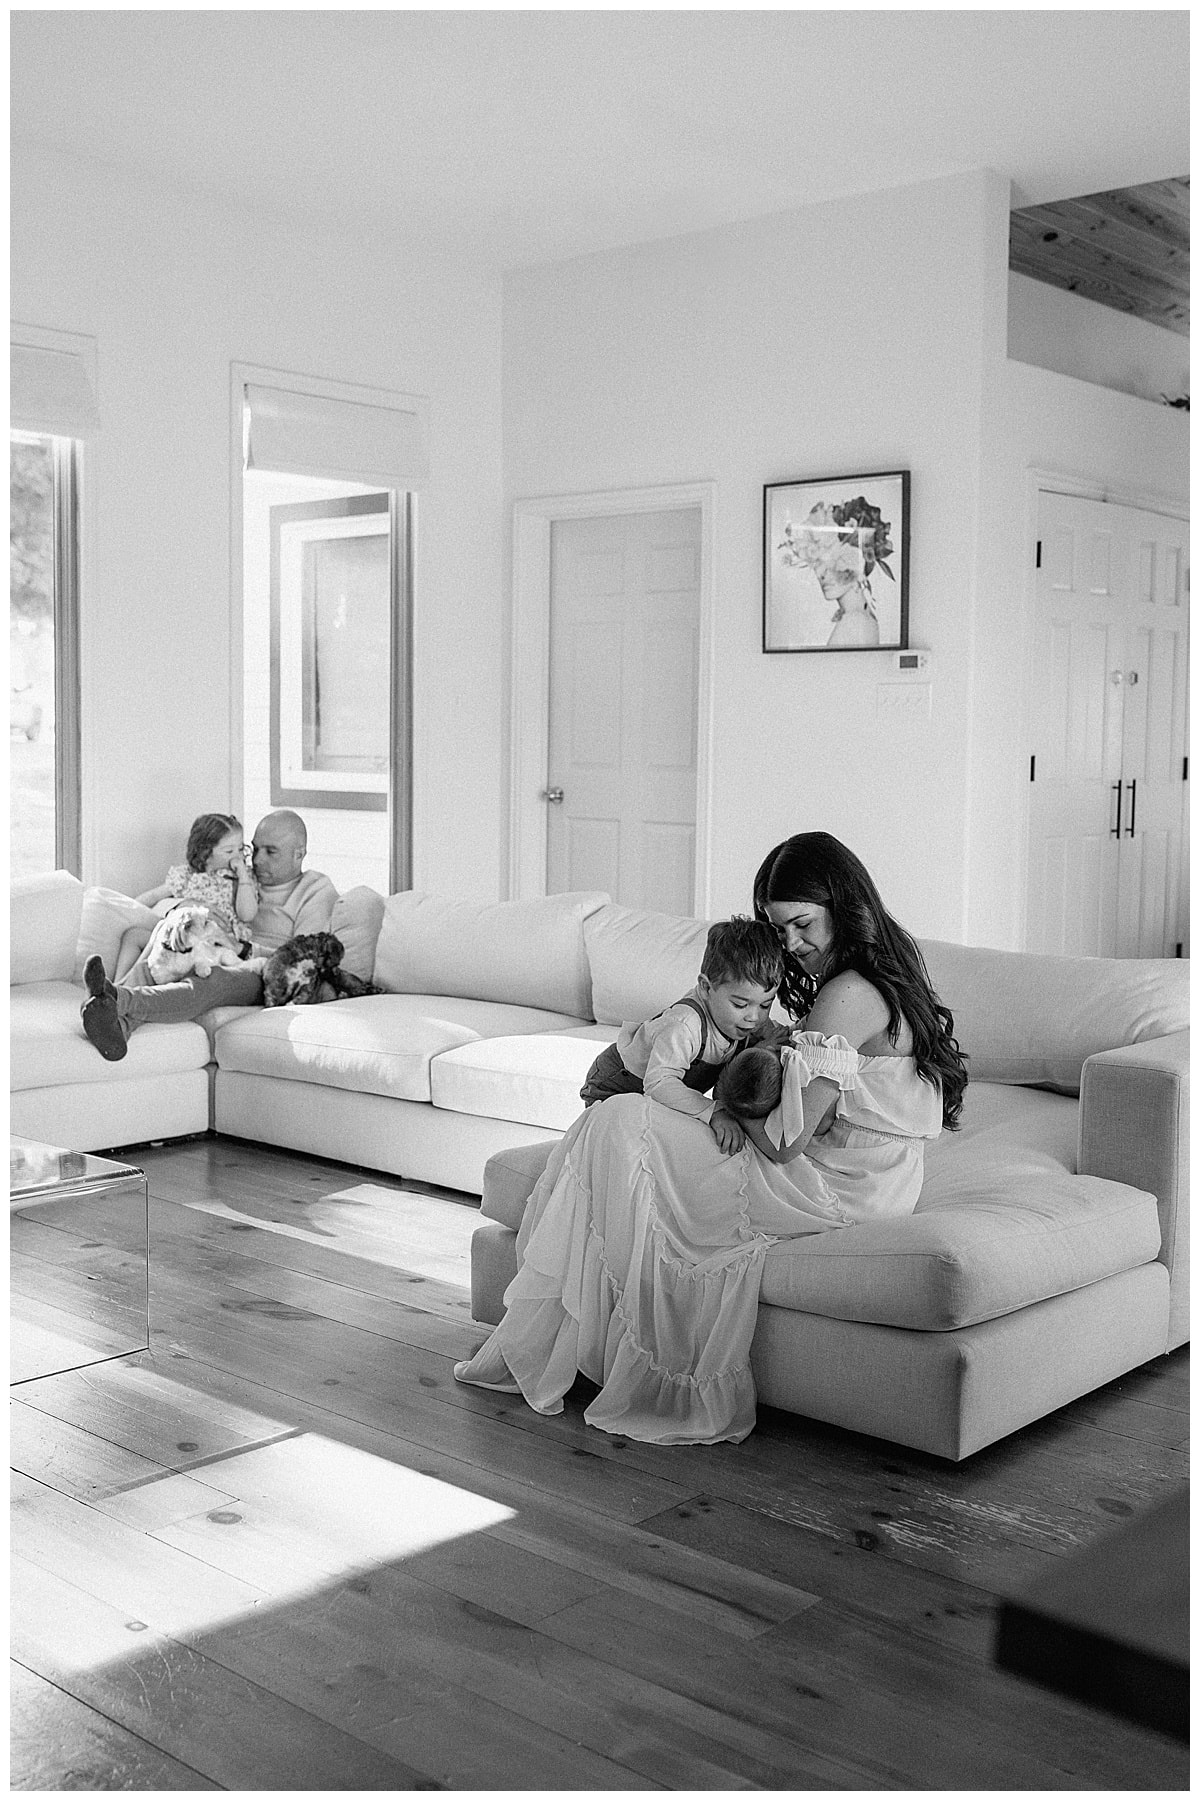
pixel 280 844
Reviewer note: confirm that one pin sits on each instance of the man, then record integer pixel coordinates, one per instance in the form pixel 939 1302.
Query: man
pixel 292 900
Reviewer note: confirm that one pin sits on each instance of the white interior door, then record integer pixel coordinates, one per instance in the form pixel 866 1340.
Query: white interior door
pixel 1106 870
pixel 1150 909
pixel 624 650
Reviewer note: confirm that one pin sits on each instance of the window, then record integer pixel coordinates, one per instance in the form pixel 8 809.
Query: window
pixel 328 509
pixel 43 654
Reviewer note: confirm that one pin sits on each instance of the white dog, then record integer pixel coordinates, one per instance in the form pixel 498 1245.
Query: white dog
pixel 190 942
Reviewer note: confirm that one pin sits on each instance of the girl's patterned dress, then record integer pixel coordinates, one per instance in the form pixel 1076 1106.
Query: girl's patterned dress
pixel 212 888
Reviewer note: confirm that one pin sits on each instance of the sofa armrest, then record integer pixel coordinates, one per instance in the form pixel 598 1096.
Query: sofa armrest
pixel 1133 1127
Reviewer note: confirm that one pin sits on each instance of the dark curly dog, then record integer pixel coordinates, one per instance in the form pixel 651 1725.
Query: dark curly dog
pixel 298 972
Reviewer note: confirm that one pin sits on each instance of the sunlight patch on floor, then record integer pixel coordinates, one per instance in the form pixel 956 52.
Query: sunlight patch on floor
pixel 344 1507
pixel 295 1518
pixel 421 1233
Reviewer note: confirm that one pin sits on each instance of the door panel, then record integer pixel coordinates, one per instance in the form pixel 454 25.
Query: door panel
pixel 1109 696
pixel 624 649
pixel 590 853
pixel 668 859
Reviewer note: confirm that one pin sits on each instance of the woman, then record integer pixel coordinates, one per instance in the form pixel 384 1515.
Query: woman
pixel 642 1245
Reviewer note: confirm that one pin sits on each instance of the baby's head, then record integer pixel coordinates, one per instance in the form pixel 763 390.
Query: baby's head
pixel 742 968
pixel 751 1083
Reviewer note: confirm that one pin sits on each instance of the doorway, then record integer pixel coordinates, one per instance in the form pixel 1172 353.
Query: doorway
pixel 1107 866
pixel 621 772
pixel 610 681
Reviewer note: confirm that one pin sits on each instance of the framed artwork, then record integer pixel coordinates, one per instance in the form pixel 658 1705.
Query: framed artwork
pixel 331 612
pixel 835 563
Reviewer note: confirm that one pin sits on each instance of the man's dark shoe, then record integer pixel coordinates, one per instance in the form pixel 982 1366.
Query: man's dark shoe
pixel 95 980
pixel 101 1021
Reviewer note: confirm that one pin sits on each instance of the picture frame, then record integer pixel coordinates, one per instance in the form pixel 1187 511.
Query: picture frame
pixel 331 614
pixel 835 563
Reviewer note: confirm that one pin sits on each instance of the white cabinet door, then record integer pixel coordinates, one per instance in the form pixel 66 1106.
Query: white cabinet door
pixel 1106 866
pixel 624 649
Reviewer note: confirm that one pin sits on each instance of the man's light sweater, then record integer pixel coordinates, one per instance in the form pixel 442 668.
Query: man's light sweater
pixel 305 905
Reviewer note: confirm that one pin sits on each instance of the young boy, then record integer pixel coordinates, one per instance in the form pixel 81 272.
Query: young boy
pixel 677 1056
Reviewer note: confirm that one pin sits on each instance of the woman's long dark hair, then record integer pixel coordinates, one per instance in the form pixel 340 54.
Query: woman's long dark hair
pixel 815 867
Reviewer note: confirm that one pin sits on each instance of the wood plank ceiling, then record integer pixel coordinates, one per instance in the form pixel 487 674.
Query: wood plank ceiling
pixel 1127 248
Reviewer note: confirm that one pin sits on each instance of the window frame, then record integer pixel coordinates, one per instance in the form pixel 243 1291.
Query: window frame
pixel 65 531
pixel 68 786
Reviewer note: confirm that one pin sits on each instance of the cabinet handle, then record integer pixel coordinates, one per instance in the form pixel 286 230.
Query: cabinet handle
pixel 1114 831
pixel 553 795
pixel 1132 805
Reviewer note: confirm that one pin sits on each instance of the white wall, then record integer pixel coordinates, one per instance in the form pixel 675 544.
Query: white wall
pixel 1054 329
pixel 175 289
pixel 847 337
pixel 1125 448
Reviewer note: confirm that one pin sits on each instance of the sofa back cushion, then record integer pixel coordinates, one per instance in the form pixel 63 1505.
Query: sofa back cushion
pixel 1022 1019
pixel 640 962
pixel 44 914
pixel 526 953
pixel 107 915
pixel 356 922
pixel 1035 1020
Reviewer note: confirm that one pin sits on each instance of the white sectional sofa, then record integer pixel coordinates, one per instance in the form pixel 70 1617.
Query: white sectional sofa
pixel 1047 1254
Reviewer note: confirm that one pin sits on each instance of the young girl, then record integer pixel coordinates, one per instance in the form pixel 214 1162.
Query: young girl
pixel 217 875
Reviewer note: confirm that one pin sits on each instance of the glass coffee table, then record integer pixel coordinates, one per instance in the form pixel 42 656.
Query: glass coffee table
pixel 78 1260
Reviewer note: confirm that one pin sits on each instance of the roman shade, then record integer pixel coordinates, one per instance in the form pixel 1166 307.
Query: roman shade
pixel 51 390
pixel 295 433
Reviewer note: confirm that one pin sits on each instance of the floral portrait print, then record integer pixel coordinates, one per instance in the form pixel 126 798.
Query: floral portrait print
pixel 829 564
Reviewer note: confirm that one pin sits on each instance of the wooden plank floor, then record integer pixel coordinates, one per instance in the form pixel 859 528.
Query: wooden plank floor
pixel 283 1549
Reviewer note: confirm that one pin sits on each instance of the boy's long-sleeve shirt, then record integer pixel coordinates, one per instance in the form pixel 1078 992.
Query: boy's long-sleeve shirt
pixel 661 1050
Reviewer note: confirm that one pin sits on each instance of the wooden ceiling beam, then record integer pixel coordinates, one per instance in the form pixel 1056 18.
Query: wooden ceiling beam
pixel 1127 248
pixel 1080 257
pixel 1137 245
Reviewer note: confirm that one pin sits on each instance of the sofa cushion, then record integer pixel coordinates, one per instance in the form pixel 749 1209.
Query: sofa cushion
pixel 998 1120
pixel 357 917
pixel 509 1178
pixel 43 927
pixel 1025 1018
pixel 47 1048
pixel 534 1080
pixel 997 1239
pixel 381 1044
pixel 640 962
pixel 523 953
pixel 107 916
pixel 1002 1222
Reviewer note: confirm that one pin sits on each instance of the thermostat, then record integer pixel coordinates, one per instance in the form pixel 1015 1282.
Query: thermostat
pixel 912 662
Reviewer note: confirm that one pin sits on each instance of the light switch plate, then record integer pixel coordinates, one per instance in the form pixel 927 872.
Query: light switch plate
pixel 907 700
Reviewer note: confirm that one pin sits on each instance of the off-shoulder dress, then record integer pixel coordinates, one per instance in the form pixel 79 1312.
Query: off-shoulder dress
pixel 641 1247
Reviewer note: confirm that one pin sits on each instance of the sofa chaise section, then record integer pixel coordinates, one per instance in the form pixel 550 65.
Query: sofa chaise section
pixel 1046 1255
pixel 61 1091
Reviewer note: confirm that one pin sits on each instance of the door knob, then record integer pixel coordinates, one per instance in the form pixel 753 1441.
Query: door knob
pixel 553 795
